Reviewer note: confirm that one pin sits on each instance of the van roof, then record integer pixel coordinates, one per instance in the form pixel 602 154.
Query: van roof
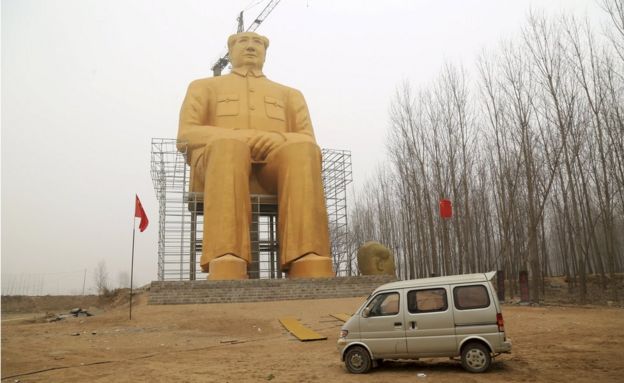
pixel 464 278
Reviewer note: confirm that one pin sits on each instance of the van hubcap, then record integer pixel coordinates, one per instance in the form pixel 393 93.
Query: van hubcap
pixel 356 360
pixel 475 358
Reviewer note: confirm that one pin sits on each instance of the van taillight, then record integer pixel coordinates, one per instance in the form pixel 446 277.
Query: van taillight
pixel 500 322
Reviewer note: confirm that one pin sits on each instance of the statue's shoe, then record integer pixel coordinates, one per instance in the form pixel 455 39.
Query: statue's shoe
pixel 227 267
pixel 311 266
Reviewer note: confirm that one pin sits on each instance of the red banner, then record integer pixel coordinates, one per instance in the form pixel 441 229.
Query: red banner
pixel 140 213
pixel 446 209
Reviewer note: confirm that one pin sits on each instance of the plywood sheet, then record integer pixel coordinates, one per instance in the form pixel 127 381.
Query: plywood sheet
pixel 341 316
pixel 299 330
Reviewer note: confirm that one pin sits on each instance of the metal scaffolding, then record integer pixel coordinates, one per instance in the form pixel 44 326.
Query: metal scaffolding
pixel 181 217
pixel 336 176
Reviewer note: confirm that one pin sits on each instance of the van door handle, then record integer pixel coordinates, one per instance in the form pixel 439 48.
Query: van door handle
pixel 398 323
pixel 413 324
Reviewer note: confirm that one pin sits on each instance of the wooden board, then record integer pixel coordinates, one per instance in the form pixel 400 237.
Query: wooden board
pixel 300 331
pixel 341 316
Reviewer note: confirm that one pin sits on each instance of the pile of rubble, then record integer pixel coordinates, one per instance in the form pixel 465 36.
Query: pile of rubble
pixel 73 313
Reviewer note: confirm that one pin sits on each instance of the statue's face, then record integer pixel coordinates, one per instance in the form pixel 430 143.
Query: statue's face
pixel 375 259
pixel 248 50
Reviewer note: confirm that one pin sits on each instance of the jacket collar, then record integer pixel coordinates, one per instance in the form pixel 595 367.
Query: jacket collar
pixel 244 72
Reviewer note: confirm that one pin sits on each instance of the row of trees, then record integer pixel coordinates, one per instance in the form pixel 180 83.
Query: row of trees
pixel 530 151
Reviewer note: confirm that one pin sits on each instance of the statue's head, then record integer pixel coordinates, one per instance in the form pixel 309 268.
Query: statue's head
pixel 247 49
pixel 375 259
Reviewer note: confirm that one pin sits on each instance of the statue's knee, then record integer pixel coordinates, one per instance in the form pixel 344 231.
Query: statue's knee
pixel 301 151
pixel 229 148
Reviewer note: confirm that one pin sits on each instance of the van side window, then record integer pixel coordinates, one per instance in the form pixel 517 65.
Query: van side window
pixel 426 301
pixel 383 305
pixel 471 297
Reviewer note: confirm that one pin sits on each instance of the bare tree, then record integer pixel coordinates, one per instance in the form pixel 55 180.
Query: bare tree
pixel 100 276
pixel 533 162
pixel 615 10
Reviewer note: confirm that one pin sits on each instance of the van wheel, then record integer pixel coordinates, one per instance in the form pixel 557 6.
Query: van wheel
pixel 357 360
pixel 475 357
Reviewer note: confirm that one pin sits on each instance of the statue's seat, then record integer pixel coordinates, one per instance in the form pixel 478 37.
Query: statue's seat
pixel 258 194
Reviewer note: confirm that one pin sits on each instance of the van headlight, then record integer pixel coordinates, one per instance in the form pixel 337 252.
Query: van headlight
pixel 344 333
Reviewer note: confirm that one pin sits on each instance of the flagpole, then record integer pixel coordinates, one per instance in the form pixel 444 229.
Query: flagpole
pixel 132 263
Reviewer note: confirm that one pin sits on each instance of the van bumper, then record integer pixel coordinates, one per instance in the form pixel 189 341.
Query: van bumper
pixel 505 346
pixel 341 344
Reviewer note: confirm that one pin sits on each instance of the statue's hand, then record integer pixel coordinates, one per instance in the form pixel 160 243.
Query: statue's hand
pixel 240 134
pixel 263 143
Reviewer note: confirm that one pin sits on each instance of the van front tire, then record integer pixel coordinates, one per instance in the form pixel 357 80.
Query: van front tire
pixel 475 357
pixel 357 360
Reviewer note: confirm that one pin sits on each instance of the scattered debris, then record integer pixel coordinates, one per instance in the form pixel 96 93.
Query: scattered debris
pixel 75 334
pixel 80 313
pixel 75 313
pixel 54 317
pixel 421 375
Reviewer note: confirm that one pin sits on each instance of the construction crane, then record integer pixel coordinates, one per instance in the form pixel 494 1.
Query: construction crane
pixel 224 61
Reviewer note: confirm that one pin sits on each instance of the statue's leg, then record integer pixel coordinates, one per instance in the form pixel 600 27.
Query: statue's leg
pixel 294 171
pixel 227 209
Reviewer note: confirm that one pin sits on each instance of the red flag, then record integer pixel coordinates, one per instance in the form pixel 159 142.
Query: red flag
pixel 140 213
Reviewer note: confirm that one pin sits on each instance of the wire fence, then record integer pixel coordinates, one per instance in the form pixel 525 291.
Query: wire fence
pixel 34 284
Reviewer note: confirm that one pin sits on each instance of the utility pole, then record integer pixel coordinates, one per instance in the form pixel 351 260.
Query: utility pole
pixel 84 281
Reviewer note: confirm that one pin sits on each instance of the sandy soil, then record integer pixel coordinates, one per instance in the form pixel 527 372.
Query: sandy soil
pixel 246 343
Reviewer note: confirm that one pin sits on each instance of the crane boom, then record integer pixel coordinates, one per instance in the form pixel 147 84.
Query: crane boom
pixel 225 59
pixel 263 15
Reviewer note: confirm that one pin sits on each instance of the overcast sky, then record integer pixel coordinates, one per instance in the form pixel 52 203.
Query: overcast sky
pixel 87 84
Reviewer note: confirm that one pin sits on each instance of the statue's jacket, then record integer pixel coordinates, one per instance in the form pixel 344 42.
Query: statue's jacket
pixel 216 106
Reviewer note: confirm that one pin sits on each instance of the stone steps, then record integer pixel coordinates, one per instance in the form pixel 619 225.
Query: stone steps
pixel 262 290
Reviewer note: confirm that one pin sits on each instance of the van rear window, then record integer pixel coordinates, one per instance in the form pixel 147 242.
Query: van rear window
pixel 471 297
pixel 426 301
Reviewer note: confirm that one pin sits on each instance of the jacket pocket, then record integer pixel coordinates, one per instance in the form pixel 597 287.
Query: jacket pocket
pixel 227 105
pixel 274 108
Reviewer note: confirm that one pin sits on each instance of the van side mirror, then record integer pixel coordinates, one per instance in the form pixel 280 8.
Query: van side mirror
pixel 366 312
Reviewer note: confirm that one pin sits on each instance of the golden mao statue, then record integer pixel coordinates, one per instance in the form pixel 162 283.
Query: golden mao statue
pixel 243 126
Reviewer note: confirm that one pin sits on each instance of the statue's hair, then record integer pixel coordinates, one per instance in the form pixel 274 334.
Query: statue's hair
pixel 232 39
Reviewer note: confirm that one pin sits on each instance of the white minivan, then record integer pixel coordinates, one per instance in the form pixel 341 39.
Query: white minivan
pixel 452 316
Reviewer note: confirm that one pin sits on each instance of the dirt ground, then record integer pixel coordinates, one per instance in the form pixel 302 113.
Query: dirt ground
pixel 246 343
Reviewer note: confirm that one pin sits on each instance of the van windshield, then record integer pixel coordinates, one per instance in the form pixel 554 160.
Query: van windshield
pixel 383 305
